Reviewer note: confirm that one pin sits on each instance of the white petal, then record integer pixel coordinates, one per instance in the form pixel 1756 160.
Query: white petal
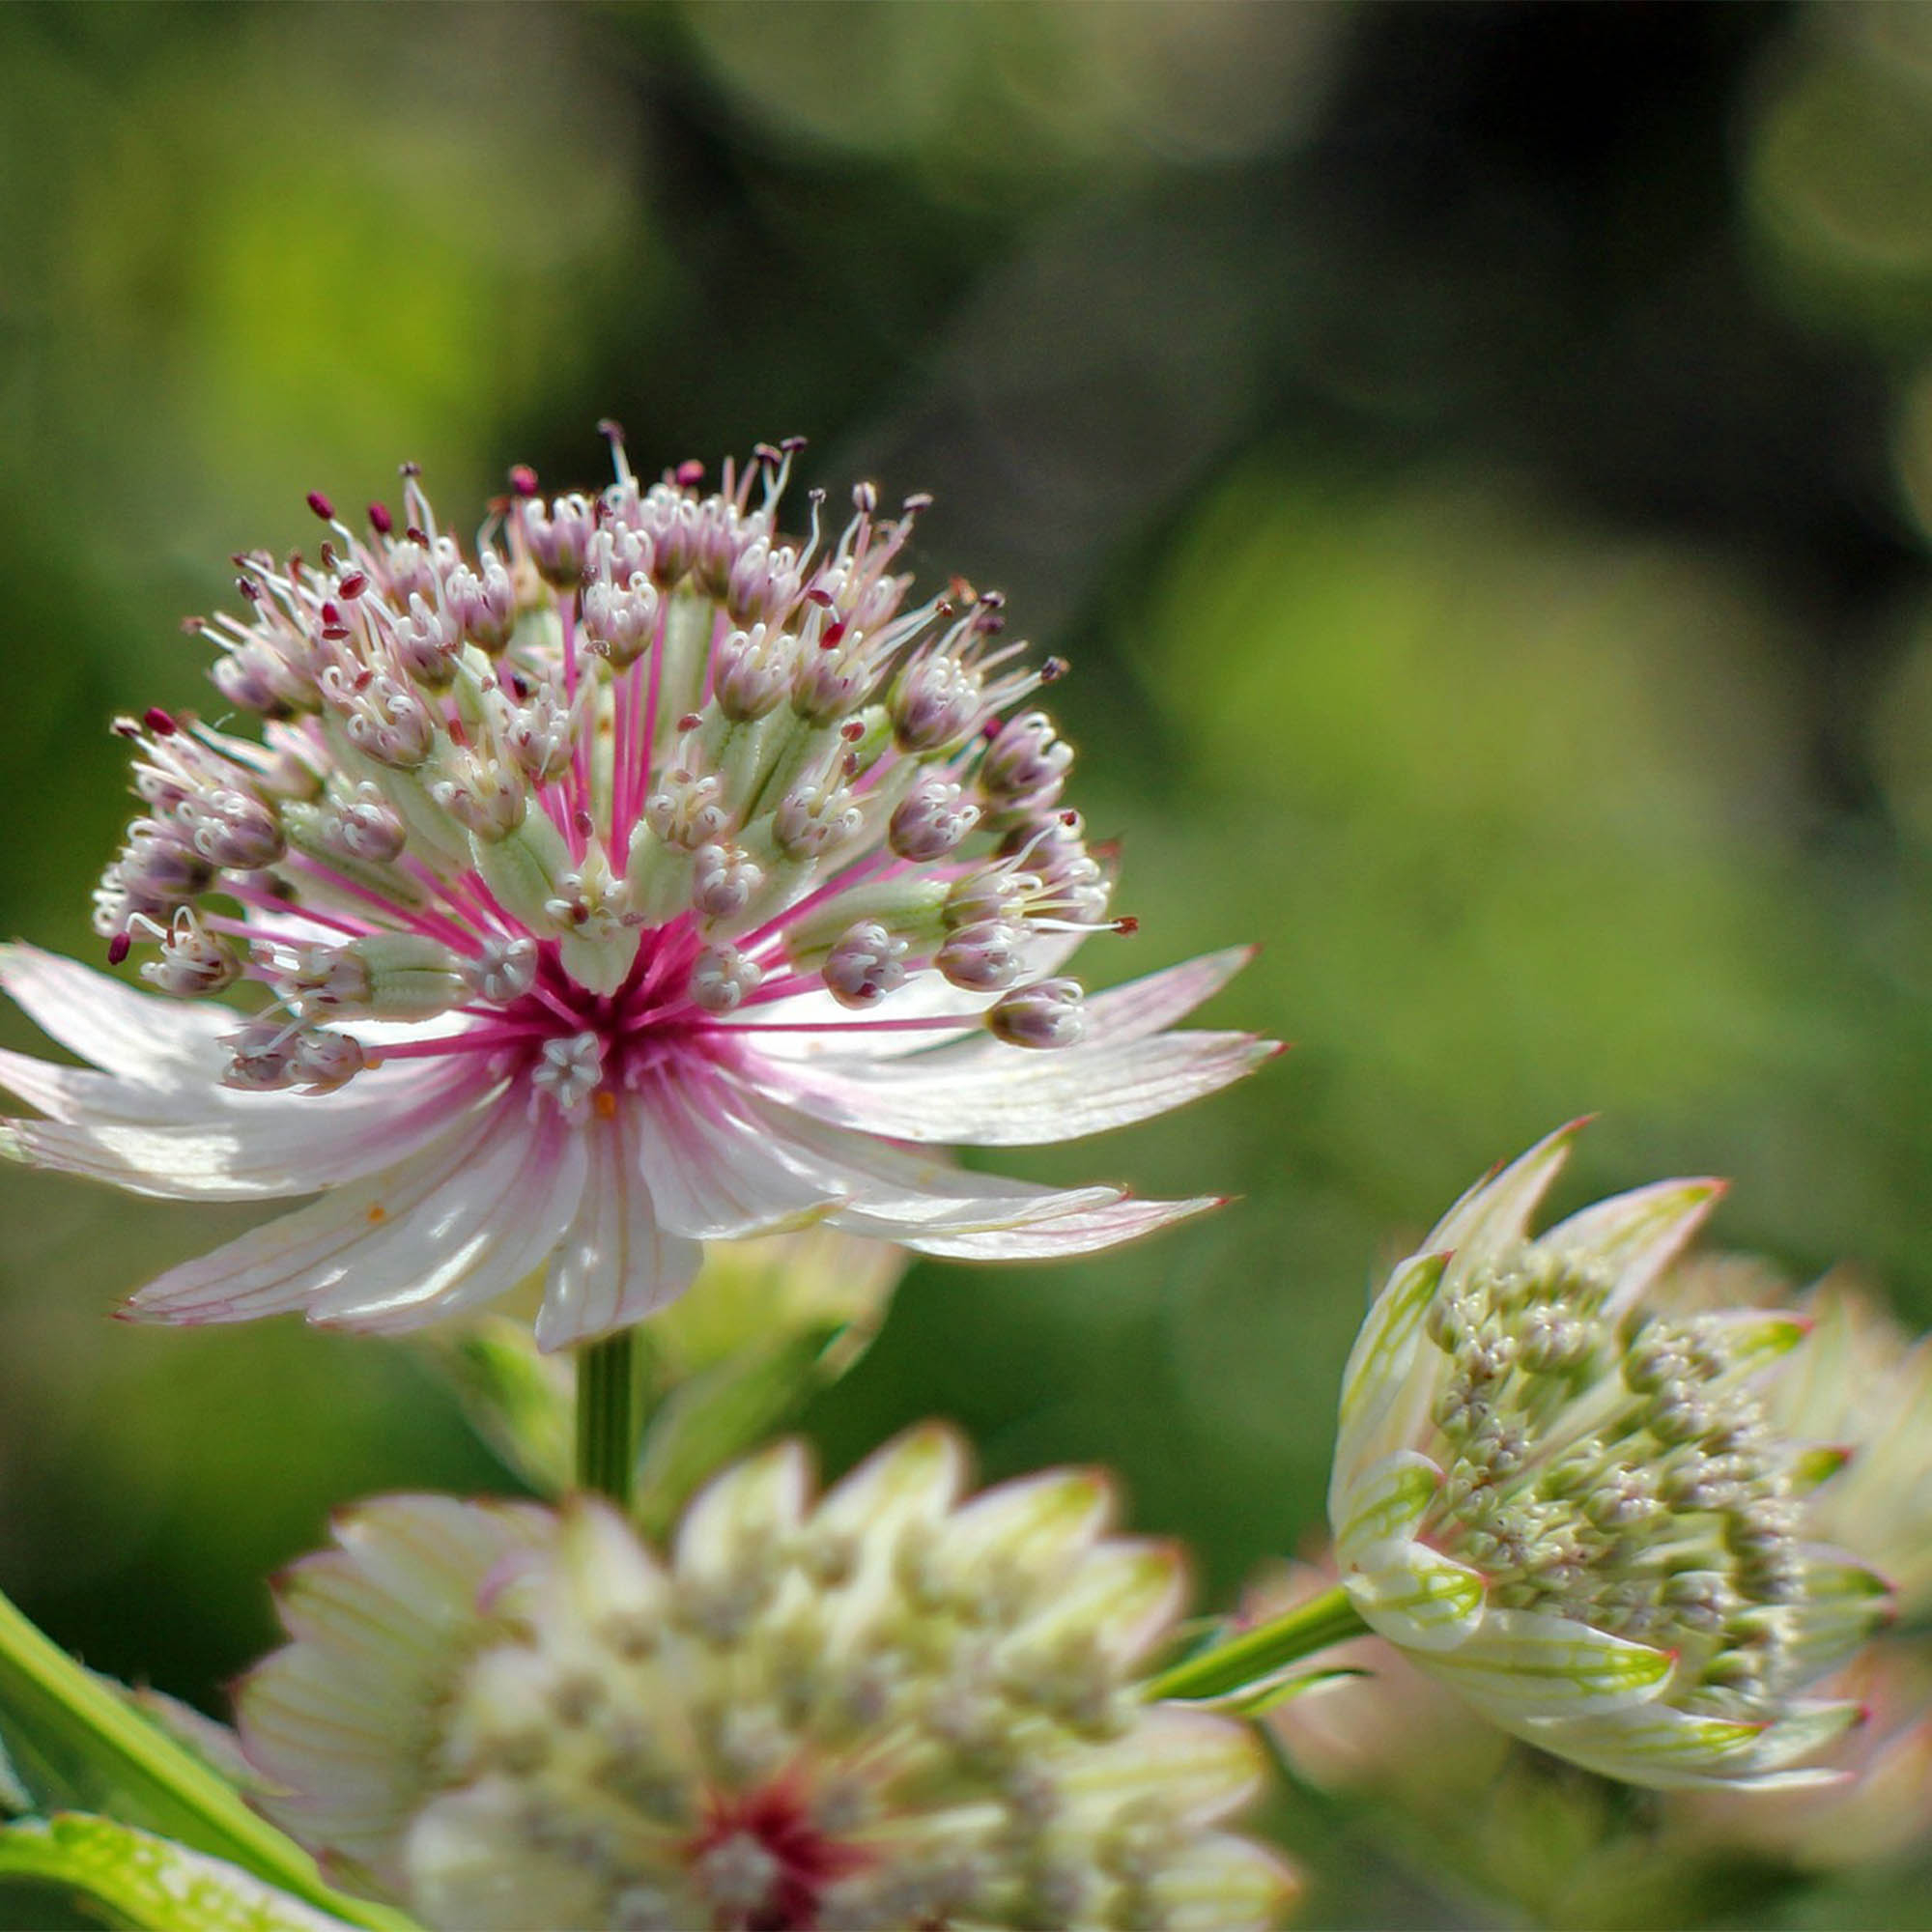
pixel 1081 1233
pixel 615 1264
pixel 213 1143
pixel 988 1093
pixel 895 1191
pixel 436 1218
pixel 1390 1497
pixel 1651 1744
pixel 1415 1596
pixel 1530 1663
pixel 712 1172
pixel 1634 1235
pixel 1496 1213
pixel 141 1037
pixel 515 1202
pixel 1383 1388
pixel 746 1517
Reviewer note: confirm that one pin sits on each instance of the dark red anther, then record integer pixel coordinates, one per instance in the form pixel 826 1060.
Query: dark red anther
pixel 584 823
pixel 417 536
pixel 380 518
pixel 523 479
pixel 819 595
pixel 690 473
pixel 1069 819
pixel 328 554
pixel 458 735
pixel 335 634
pixel 852 730
pixel 250 589
pixel 835 636
pixel 690 721
pixel 158 721
pixel 332 614
pixel 117 948
pixel 991 728
pixel 321 507
pixel 1128 922
pixel 353 585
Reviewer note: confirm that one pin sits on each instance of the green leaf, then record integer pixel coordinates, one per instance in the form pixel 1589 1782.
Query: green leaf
pixel 148 1883
pixel 76 1742
pixel 727 1408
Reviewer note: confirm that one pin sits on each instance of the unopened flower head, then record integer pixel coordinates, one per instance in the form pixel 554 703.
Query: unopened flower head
pixel 639 877
pixel 891 1709
pixel 1573 1508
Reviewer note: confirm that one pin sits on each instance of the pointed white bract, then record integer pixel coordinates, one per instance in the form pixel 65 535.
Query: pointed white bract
pixel 1561 1494
pixel 640 880
pixel 897 1706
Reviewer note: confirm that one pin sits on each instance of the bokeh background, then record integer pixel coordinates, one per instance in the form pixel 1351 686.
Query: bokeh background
pixel 1478 458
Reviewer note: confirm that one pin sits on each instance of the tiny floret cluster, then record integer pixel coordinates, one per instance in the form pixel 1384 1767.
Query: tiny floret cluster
pixel 637 877
pixel 1569 1503
pixel 895 1708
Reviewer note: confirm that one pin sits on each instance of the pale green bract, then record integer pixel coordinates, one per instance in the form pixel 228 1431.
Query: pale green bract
pixel 1569 1505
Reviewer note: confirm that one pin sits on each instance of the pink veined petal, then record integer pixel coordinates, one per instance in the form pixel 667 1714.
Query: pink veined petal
pixel 1082 1232
pixel 615 1264
pixel 1018 1098
pixel 1636 1234
pixel 897 1191
pixel 140 1036
pixel 711 1174
pixel 498 1224
pixel 214 1144
pixel 281 1267
pixel 1496 1213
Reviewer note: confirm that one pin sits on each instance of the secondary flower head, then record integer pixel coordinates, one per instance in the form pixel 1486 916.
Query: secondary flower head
pixel 1572 1507
pixel 893 1708
pixel 639 878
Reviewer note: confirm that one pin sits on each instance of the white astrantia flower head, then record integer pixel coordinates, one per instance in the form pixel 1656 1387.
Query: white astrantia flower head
pixel 1568 1503
pixel 895 1707
pixel 640 878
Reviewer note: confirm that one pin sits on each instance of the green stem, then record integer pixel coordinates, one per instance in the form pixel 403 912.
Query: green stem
pixel 71 1714
pixel 611 1414
pixel 1257 1653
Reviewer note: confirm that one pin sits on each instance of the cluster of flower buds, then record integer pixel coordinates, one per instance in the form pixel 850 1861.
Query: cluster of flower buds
pixel 895 1707
pixel 1570 1503
pixel 690 767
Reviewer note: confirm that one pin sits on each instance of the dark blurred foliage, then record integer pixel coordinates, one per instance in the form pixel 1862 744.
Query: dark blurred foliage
pixel 1478 458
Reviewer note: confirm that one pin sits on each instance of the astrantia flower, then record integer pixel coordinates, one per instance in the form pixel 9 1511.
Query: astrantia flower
pixel 641 879
pixel 1571 1507
pixel 886 1710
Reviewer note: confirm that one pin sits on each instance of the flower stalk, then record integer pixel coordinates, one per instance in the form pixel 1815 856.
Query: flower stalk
pixel 1255 1654
pixel 611 1415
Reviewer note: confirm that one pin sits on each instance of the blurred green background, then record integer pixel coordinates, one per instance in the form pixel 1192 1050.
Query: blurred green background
pixel 1479 459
